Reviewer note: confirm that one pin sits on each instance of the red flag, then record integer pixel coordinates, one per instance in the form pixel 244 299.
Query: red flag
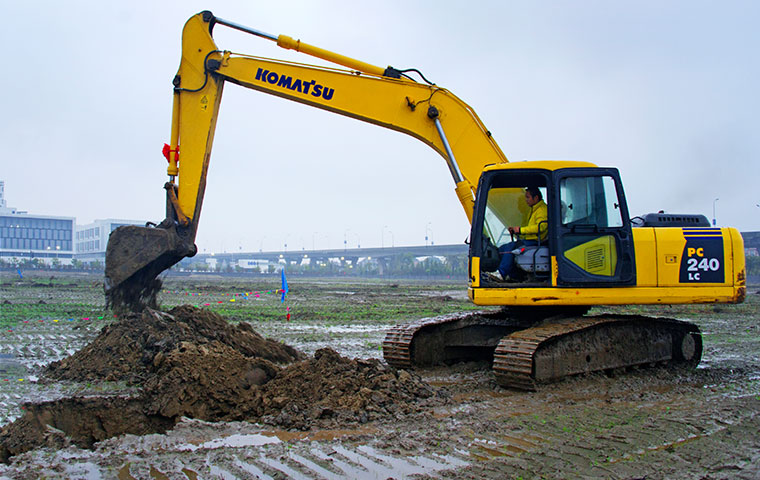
pixel 168 150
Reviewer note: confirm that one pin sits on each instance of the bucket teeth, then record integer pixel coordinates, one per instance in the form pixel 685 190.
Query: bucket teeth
pixel 135 256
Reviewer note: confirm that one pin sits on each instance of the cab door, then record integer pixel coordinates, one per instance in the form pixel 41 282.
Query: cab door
pixel 594 238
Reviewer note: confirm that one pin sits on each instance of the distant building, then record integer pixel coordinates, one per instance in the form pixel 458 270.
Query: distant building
pixel 751 243
pixel 24 236
pixel 252 264
pixel 90 240
pixel 4 208
pixel 36 236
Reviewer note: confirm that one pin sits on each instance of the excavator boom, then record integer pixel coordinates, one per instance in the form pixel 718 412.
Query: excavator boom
pixel 384 97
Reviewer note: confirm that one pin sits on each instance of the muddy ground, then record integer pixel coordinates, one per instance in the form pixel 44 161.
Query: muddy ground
pixel 435 423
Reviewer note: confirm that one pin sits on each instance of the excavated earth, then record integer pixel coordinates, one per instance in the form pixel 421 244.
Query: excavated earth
pixel 191 363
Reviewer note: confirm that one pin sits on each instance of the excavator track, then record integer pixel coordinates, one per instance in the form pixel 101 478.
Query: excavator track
pixel 447 338
pixel 571 346
pixel 528 350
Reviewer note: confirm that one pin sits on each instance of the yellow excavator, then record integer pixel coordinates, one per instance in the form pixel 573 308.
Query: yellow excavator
pixel 588 251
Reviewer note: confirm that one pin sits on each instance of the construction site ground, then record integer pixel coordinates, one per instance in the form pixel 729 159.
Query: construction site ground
pixel 332 409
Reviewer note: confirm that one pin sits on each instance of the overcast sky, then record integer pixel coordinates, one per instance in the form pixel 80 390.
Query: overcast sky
pixel 665 91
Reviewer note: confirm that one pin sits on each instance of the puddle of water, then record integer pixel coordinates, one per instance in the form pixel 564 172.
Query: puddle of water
pixel 525 444
pixel 234 441
pixel 252 470
pixel 665 446
pixel 336 328
pixel 454 294
pixel 10 364
pixel 427 464
pixel 318 435
pixel 491 452
pixel 282 467
pixel 314 467
pixel 82 470
pixel 505 446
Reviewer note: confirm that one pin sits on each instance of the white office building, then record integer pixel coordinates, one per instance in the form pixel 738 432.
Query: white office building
pixel 26 237
pixel 90 240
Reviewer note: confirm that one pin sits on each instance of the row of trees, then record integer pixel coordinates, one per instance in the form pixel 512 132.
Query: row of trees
pixel 753 265
pixel 401 266
pixel 52 264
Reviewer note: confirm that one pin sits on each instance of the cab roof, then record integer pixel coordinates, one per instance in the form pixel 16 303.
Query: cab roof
pixel 540 164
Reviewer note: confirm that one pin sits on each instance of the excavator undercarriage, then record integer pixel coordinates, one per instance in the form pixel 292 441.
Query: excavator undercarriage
pixel 531 347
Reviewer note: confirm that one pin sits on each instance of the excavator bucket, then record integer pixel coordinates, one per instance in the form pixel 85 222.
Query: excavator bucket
pixel 135 256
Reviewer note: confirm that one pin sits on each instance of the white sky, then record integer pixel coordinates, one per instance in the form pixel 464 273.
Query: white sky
pixel 665 91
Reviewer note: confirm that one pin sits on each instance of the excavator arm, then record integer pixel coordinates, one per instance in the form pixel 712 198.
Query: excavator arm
pixel 384 97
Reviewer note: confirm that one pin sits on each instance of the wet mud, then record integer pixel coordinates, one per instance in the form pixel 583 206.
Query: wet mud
pixel 190 362
pixel 323 415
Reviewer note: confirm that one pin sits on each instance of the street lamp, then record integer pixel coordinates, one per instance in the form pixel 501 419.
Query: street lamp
pixel 714 201
pixel 428 229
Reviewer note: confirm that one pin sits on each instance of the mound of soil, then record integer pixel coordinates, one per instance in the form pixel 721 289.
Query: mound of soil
pixel 131 349
pixel 192 363
pixel 329 390
pixel 211 382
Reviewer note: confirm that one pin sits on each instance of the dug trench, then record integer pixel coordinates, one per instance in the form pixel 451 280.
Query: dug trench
pixel 192 363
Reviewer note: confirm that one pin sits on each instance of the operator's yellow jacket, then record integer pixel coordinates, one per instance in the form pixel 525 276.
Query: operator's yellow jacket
pixel 538 213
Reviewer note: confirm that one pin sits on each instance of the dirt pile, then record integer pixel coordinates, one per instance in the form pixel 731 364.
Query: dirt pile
pixel 330 390
pixel 133 349
pixel 192 363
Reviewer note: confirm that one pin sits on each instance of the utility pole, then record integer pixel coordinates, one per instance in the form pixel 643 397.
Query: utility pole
pixel 714 201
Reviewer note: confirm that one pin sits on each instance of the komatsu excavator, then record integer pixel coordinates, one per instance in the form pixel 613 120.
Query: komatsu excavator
pixel 590 251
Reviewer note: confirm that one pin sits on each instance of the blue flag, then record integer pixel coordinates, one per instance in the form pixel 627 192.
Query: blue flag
pixel 19 272
pixel 284 286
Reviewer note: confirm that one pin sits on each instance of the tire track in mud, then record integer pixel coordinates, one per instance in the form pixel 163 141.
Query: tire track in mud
pixel 659 442
pixel 678 444
pixel 28 347
pixel 300 460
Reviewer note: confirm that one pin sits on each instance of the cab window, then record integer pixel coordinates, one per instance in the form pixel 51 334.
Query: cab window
pixel 589 201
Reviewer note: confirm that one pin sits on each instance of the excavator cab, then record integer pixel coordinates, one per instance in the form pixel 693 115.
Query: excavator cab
pixel 587 236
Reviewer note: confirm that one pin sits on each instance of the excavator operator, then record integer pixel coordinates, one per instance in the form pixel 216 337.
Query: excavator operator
pixel 531 234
